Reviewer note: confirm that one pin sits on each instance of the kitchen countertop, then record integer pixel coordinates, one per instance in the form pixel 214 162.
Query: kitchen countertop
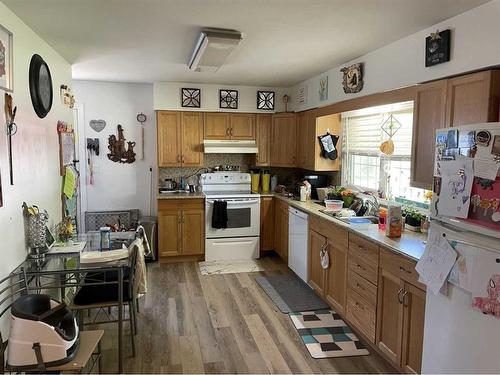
pixel 410 244
pixel 197 195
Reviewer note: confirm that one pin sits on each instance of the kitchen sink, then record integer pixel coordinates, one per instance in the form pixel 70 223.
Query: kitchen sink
pixel 373 219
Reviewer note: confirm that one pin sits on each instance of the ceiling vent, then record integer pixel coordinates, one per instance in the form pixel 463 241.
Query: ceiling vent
pixel 213 48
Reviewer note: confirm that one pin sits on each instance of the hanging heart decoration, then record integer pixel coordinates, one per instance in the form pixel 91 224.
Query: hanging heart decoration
pixel 97 125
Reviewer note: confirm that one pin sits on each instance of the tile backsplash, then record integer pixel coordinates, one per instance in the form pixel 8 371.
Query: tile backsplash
pixel 210 160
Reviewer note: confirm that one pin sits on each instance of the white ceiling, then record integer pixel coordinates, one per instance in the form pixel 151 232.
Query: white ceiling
pixel 285 41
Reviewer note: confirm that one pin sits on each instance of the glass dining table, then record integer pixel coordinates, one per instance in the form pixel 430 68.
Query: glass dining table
pixel 64 273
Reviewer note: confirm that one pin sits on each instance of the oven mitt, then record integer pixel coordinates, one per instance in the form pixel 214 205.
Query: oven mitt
pixel 328 144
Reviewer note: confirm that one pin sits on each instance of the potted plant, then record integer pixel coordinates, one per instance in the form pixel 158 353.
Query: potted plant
pixel 413 219
pixel 347 197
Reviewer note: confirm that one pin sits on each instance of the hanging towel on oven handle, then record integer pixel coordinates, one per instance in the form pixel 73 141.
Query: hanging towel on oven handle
pixel 219 215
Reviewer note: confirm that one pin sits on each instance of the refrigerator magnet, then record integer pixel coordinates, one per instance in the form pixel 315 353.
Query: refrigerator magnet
pixel 483 138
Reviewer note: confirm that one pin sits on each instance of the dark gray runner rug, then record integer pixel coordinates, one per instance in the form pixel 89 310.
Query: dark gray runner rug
pixel 290 294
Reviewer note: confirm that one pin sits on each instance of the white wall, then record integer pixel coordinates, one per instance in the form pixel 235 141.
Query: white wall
pixel 117 186
pixel 474 45
pixel 35 146
pixel 167 96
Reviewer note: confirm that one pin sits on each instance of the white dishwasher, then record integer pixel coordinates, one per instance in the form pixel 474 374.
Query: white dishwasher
pixel 297 242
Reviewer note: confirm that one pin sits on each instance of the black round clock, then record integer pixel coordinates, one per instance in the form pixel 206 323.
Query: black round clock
pixel 40 86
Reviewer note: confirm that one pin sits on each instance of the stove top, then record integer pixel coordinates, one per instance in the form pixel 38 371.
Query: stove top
pixel 231 194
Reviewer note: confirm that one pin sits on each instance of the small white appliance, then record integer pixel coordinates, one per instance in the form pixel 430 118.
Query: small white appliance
pixel 229 147
pixel 240 239
pixel 458 338
pixel 297 242
pixel 42 332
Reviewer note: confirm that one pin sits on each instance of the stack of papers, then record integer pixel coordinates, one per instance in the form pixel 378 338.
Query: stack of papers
pixel 103 256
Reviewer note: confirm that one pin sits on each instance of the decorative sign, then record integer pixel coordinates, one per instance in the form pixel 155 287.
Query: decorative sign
pixel 352 81
pixel 97 125
pixel 6 61
pixel 265 100
pixel 302 95
pixel 437 48
pixel 191 98
pixel 228 99
pixel 323 88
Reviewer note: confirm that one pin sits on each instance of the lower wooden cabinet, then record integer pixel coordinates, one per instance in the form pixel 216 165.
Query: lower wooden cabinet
pixel 330 283
pixel 181 227
pixel 267 223
pixel 400 319
pixel 281 229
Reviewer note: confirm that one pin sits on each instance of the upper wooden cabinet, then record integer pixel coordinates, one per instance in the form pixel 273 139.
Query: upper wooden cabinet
pixel 180 139
pixel 428 115
pixel 263 132
pixel 309 128
pixel 284 140
pixel 473 98
pixel 238 126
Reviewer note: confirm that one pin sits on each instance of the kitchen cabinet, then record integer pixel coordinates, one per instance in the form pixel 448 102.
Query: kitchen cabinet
pixel 309 128
pixel 242 126
pixel 429 110
pixel 284 140
pixel 263 136
pixel 224 126
pixel 181 227
pixel 267 233
pixel 180 139
pixel 216 126
pixel 330 283
pixel 473 98
pixel 281 229
pixel 401 312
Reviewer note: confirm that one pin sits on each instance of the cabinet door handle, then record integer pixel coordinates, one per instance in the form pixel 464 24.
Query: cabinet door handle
pixel 227 131
pixel 179 219
pixel 183 218
pixel 405 298
pixel 399 295
pixel 402 269
pixel 231 132
pixel 183 159
pixel 178 158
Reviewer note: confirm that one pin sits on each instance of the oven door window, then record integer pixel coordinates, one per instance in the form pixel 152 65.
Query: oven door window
pixel 239 217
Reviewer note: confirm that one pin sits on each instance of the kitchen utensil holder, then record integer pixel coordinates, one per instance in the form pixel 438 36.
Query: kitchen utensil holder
pixel 35 231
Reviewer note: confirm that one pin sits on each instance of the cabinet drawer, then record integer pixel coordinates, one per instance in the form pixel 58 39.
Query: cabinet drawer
pixel 400 266
pixel 181 204
pixel 364 268
pixel 363 248
pixel 329 230
pixel 361 314
pixel 363 287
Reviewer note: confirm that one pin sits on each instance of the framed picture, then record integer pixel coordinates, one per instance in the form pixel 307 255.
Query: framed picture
pixel 323 88
pixel 6 60
pixel 265 100
pixel 437 48
pixel 302 95
pixel 352 81
pixel 190 98
pixel 228 99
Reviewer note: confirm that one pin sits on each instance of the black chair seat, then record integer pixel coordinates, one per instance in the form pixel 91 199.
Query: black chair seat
pixel 92 294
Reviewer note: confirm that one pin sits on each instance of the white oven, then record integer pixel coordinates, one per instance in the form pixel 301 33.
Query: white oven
pixel 243 218
pixel 240 238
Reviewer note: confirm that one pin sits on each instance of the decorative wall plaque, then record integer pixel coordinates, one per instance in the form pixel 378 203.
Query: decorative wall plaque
pixel 353 78
pixel 437 48
pixel 228 99
pixel 191 98
pixel 118 152
pixel 265 100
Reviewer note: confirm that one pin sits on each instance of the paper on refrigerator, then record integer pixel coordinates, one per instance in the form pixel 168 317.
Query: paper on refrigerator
pixel 457 177
pixel 436 262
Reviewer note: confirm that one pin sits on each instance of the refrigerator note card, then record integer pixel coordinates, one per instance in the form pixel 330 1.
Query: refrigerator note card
pixel 456 181
pixel 485 285
pixel 436 262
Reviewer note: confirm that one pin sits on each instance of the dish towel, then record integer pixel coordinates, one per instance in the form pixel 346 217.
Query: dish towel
pixel 141 280
pixel 219 215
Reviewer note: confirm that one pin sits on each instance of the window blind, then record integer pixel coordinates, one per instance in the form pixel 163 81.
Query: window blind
pixel 363 132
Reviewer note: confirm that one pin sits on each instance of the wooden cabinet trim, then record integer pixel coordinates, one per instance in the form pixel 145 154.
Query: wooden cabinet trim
pixel 401 266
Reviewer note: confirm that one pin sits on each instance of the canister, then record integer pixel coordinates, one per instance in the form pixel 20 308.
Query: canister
pixel 255 176
pixel 266 179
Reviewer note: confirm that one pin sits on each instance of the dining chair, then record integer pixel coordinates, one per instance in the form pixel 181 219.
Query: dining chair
pixel 105 296
pixel 89 351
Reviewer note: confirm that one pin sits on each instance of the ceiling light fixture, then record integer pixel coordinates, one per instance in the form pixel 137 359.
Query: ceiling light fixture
pixel 213 48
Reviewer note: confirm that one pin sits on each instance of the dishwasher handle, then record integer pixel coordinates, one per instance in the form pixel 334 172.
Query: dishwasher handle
pixel 298 213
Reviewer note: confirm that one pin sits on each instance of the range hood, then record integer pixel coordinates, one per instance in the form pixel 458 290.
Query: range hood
pixel 229 147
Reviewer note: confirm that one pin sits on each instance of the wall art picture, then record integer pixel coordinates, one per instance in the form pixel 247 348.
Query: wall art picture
pixel 191 98
pixel 228 99
pixel 302 95
pixel 6 60
pixel 323 88
pixel 265 100
pixel 119 152
pixel 352 81
pixel 437 48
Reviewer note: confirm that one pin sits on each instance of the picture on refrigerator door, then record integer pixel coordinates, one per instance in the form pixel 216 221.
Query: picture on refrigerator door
pixel 490 305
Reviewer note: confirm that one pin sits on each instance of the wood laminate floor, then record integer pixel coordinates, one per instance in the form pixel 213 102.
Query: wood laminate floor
pixel 219 324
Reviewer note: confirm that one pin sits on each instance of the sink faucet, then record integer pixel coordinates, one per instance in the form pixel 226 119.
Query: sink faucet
pixel 373 206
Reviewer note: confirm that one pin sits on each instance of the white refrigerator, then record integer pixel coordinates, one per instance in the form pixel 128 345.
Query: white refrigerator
pixel 457 337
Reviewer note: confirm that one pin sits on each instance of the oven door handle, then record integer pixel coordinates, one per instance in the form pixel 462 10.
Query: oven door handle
pixel 229 202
